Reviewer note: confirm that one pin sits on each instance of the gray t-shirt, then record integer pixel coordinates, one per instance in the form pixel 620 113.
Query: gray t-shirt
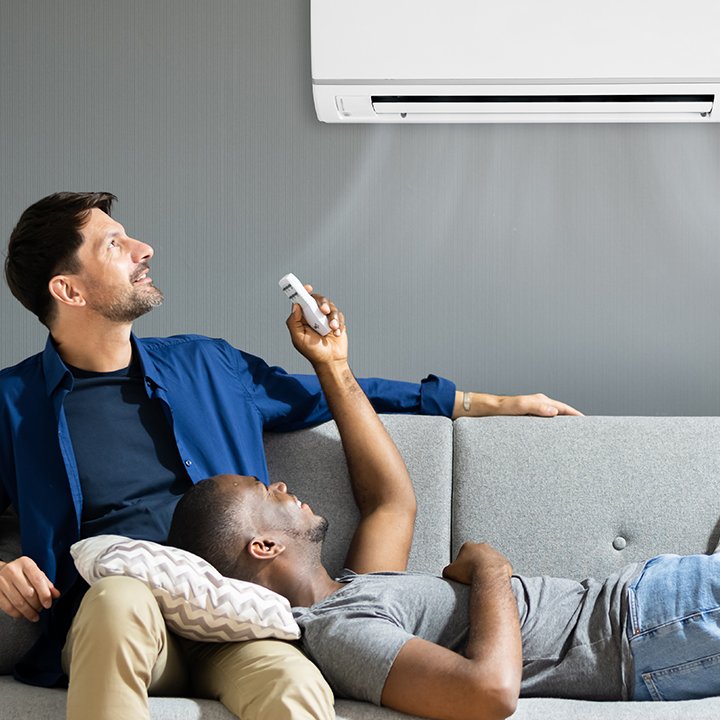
pixel 573 638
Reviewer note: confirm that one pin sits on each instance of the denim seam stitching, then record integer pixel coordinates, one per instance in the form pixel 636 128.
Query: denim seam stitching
pixel 696 615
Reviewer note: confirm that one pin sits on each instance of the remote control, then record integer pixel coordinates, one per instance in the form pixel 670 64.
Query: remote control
pixel 296 293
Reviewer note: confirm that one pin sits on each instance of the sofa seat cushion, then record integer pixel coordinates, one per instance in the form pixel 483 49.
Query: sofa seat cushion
pixel 20 702
pixel 557 709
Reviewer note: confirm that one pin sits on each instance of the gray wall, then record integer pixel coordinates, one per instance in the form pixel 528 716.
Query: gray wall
pixel 576 260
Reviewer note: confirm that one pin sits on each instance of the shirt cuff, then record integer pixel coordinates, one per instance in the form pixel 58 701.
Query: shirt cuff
pixel 437 396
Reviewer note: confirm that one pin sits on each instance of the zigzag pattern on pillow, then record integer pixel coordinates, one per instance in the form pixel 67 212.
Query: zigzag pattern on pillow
pixel 195 600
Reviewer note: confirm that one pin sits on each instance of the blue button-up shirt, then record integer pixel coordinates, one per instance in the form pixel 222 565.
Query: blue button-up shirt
pixel 218 400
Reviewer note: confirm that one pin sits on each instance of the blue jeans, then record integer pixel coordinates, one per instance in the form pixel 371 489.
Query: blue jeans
pixel 674 628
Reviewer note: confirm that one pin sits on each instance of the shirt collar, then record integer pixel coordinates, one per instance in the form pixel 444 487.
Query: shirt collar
pixel 54 369
pixel 147 366
pixel 57 373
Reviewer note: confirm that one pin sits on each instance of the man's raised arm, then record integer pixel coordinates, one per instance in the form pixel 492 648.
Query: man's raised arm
pixel 380 482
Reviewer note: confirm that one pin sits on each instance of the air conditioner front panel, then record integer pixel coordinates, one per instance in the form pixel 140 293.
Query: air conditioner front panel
pixel 537 103
pixel 496 40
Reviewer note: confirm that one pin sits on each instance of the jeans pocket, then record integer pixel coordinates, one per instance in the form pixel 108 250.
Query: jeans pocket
pixel 686 681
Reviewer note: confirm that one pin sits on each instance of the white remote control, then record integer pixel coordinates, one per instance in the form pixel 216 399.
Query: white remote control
pixel 295 291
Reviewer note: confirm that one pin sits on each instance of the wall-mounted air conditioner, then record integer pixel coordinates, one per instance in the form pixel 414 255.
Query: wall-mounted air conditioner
pixel 516 60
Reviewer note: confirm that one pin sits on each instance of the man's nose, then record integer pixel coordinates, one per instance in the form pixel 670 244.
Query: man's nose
pixel 140 251
pixel 279 486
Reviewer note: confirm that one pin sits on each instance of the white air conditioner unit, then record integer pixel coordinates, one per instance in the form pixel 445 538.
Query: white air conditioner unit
pixel 503 61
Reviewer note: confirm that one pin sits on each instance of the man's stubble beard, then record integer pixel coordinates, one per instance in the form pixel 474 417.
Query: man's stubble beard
pixel 132 305
pixel 315 535
pixel 319 532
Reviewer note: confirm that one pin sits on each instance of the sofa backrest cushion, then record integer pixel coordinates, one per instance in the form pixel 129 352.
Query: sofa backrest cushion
pixel 580 497
pixel 311 463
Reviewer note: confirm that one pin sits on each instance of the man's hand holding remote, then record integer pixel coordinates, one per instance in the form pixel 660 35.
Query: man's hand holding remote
pixel 319 349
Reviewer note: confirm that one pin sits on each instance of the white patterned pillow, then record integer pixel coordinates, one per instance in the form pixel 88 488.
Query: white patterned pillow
pixel 196 601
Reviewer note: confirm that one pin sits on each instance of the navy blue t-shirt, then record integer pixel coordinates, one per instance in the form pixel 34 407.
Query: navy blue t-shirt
pixel 130 470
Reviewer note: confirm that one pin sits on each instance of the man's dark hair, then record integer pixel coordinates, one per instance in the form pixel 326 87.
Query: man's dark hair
pixel 45 242
pixel 205 523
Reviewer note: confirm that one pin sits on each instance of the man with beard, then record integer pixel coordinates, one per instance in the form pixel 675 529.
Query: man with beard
pixel 268 536
pixel 103 431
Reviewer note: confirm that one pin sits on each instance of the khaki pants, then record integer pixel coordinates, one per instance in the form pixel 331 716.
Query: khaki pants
pixel 119 651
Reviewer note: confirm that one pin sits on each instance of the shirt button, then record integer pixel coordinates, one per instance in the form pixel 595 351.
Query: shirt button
pixel 188 463
pixel 619 543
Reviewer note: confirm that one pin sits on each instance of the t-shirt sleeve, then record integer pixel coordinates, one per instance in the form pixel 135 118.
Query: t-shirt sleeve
pixel 354 654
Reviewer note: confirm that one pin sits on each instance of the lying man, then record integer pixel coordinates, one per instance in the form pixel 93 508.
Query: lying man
pixel 466 645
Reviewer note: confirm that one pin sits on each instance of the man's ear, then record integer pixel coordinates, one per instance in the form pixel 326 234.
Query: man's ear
pixel 264 548
pixel 63 289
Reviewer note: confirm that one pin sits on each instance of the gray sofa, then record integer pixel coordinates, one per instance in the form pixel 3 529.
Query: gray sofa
pixel 574 497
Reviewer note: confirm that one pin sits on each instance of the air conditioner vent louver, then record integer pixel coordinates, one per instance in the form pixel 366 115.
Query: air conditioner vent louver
pixel 415 99
pixel 507 104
